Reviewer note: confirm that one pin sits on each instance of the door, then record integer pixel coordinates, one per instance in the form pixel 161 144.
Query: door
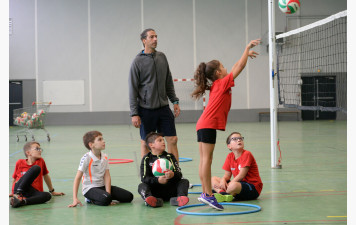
pixel 15 99
pixel 319 91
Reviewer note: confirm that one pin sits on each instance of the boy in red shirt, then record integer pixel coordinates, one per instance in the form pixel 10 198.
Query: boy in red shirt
pixel 247 183
pixel 27 184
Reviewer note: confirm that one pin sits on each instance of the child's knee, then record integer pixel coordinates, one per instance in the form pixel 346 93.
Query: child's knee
pixel 234 187
pixel 105 200
pixel 36 169
pixel 129 198
pixel 47 196
pixel 215 179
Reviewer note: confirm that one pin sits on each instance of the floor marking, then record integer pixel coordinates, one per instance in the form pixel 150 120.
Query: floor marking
pixel 328 190
pixel 336 216
pixel 15 152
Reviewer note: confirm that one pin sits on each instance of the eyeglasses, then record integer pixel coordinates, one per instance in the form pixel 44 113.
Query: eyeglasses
pixel 38 149
pixel 237 138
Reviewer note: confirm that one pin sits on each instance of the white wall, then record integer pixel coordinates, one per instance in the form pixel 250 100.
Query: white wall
pixel 96 40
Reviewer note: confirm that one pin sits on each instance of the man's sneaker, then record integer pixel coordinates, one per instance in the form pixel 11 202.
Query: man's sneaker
pixel 179 201
pixel 223 198
pixel 88 201
pixel 17 201
pixel 153 202
pixel 211 201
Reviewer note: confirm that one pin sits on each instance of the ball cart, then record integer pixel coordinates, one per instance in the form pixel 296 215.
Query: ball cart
pixel 30 118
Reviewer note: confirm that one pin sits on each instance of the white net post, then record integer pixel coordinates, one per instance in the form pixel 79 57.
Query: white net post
pixel 273 86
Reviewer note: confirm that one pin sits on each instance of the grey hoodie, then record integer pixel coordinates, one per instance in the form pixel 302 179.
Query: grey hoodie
pixel 150 82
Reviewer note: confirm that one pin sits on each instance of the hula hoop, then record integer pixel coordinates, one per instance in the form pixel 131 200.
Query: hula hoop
pixel 195 192
pixel 257 208
pixel 181 159
pixel 117 161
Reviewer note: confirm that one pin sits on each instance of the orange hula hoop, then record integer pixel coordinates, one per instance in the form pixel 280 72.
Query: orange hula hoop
pixel 117 161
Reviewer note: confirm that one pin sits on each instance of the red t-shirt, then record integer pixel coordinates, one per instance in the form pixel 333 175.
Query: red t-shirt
pixel 21 168
pixel 217 110
pixel 246 159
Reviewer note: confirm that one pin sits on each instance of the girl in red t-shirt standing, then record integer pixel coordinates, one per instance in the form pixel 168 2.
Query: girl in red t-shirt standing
pixel 214 77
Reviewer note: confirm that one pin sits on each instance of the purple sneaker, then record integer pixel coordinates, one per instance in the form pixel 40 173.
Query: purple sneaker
pixel 211 201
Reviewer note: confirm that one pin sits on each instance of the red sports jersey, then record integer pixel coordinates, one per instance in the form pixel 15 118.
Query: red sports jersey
pixel 217 110
pixel 246 159
pixel 21 168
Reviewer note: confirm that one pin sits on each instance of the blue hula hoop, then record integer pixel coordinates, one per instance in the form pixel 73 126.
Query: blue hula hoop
pixel 181 159
pixel 195 192
pixel 257 208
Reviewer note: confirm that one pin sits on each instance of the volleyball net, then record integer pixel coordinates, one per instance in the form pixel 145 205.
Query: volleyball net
pixel 312 65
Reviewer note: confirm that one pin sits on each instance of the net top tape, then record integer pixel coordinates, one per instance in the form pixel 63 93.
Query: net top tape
pixel 312 25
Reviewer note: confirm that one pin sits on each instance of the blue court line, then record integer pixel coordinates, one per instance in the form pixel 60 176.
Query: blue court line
pixel 16 152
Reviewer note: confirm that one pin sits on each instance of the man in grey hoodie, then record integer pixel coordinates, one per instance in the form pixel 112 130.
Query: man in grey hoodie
pixel 150 87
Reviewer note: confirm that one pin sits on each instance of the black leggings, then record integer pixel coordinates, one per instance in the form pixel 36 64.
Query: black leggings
pixel 164 191
pixel 99 196
pixel 23 186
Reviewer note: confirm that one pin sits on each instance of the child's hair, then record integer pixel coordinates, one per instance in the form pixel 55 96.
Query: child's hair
pixel 144 34
pixel 151 137
pixel 228 139
pixel 204 76
pixel 28 146
pixel 90 137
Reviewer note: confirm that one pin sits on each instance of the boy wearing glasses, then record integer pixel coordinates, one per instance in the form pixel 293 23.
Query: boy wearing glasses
pixel 27 184
pixel 247 183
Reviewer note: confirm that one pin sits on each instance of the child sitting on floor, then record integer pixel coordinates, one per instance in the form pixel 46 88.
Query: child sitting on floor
pixel 27 183
pixel 171 186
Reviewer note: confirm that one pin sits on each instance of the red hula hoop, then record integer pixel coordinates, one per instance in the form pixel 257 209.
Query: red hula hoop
pixel 117 161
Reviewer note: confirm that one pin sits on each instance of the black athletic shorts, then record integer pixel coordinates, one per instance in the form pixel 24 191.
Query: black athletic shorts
pixel 207 136
pixel 159 120
pixel 248 192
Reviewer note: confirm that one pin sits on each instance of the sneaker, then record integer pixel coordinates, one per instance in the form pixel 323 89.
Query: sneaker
pixel 179 201
pixel 17 201
pixel 154 202
pixel 88 201
pixel 211 201
pixel 223 198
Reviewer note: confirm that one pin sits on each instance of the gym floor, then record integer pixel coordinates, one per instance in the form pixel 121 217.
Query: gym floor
pixel 311 187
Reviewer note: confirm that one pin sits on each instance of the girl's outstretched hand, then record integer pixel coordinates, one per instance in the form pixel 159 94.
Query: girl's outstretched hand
pixel 253 43
pixel 252 54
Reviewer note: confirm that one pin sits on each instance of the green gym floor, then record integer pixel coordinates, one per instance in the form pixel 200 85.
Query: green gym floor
pixel 311 187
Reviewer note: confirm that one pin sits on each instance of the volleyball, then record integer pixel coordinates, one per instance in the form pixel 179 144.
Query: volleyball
pixel 41 112
pixel 17 120
pixel 29 124
pixel 289 6
pixel 160 166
